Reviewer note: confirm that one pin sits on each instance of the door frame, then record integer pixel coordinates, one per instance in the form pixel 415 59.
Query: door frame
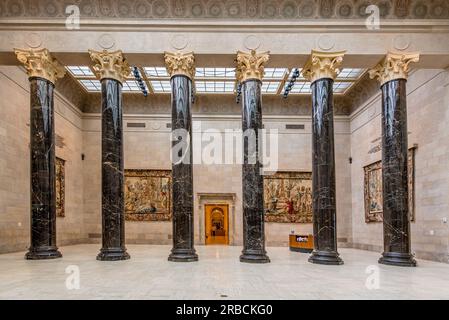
pixel 215 198
pixel 226 223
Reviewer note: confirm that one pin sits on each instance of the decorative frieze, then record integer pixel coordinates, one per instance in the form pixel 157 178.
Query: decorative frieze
pixel 226 9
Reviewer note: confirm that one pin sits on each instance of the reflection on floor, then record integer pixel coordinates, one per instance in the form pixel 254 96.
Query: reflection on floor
pixel 218 275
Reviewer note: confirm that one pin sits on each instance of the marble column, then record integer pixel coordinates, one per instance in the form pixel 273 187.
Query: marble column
pixel 321 70
pixel 392 74
pixel 112 69
pixel 43 70
pixel 181 67
pixel 249 72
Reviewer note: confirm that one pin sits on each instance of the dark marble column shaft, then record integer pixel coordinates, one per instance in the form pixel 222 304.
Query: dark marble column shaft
pixel 252 178
pixel 43 177
pixel 323 175
pixel 394 175
pixel 182 175
pixel 112 205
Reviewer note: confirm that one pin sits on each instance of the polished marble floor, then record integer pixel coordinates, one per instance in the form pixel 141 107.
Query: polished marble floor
pixel 218 275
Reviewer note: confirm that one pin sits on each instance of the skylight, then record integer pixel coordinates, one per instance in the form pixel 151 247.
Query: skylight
pixel 340 87
pixel 301 87
pixel 160 86
pixel 210 80
pixel 215 80
pixel 91 85
pixel 305 88
pixel 270 86
pixel 214 86
pixel 228 73
pixel 275 73
pixel 80 71
pixel 131 85
pixel 156 72
pixel 348 73
pixel 345 79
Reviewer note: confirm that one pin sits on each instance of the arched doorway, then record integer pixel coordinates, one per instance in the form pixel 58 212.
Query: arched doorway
pixel 216 224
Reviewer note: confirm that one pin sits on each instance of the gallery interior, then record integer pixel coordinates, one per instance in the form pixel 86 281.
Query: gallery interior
pixel 278 149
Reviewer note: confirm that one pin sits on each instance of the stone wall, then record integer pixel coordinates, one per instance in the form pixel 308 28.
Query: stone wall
pixel 15 164
pixel 149 148
pixel 428 114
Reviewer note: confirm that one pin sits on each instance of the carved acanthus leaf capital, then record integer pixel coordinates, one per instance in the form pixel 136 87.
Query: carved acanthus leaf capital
pixel 110 65
pixel 323 65
pixel 251 65
pixel 40 63
pixel 179 63
pixel 393 66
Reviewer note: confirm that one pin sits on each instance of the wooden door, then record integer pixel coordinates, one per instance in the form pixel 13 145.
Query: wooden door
pixel 217 223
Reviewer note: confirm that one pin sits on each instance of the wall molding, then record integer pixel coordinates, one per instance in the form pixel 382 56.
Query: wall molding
pixel 214 117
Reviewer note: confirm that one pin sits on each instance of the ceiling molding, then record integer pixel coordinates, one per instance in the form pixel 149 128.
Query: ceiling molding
pixel 225 9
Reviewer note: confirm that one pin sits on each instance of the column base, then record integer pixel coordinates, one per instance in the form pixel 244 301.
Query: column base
pixel 325 257
pixel 42 253
pixel 397 259
pixel 183 255
pixel 254 256
pixel 113 254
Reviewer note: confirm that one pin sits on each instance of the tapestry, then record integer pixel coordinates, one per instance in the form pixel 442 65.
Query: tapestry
pixel 148 195
pixel 60 187
pixel 373 189
pixel 373 192
pixel 288 197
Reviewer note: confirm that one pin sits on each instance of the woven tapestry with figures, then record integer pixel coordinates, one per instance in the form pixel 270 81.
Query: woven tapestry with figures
pixel 148 195
pixel 288 197
pixel 373 189
pixel 60 187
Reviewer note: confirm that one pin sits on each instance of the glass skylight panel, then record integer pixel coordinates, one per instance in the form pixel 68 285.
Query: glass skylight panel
pixel 216 80
pixel 91 85
pixel 156 72
pixel 340 87
pixel 350 73
pixel 160 86
pixel 214 86
pixel 275 73
pixel 131 85
pixel 270 86
pixel 346 73
pixel 301 87
pixel 228 73
pixel 80 71
pixel 304 87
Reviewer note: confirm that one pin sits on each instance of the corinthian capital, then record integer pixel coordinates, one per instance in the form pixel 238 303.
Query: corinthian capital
pixel 40 63
pixel 110 65
pixel 180 63
pixel 323 65
pixel 393 66
pixel 250 65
